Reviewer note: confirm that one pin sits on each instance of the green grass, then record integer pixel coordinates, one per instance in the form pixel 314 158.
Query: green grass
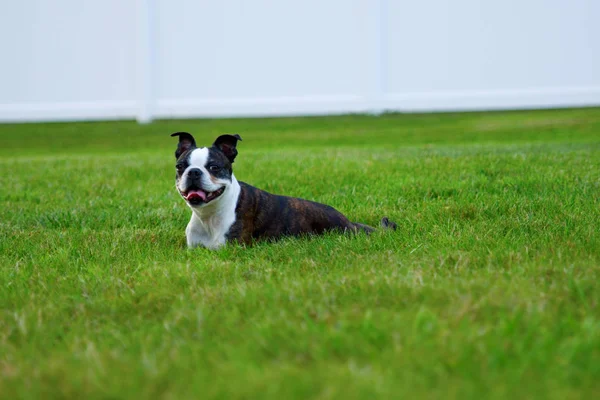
pixel 489 288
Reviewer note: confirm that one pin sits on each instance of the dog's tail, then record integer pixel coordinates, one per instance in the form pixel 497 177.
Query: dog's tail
pixel 385 223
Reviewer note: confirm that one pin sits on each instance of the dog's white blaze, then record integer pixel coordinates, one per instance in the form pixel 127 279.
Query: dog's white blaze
pixel 198 159
pixel 211 222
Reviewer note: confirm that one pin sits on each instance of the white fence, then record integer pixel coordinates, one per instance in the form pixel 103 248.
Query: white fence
pixel 145 59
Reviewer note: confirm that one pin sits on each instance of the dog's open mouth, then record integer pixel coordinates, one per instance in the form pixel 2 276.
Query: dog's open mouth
pixel 198 196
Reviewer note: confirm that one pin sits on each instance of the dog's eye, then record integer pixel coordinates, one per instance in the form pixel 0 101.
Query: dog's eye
pixel 179 167
pixel 214 168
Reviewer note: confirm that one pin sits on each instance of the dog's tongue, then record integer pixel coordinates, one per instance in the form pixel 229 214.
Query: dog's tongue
pixel 196 194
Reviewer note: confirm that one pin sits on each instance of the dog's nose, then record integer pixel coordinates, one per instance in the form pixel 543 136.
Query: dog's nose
pixel 194 173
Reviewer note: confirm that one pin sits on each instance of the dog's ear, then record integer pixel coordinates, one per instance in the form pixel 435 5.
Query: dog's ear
pixel 186 142
pixel 227 144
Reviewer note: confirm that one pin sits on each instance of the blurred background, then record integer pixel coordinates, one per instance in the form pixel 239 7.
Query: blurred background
pixel 66 60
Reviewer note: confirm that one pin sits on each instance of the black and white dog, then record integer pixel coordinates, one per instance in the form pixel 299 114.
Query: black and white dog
pixel 224 209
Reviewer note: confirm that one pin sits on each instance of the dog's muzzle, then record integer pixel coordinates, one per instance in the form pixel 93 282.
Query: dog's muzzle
pixel 197 196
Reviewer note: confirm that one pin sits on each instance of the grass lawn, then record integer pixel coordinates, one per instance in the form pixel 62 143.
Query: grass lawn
pixel 489 288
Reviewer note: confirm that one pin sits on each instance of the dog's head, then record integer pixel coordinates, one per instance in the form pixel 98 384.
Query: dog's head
pixel 204 173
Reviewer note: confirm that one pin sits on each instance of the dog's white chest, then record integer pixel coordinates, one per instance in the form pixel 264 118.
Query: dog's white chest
pixel 210 234
pixel 209 225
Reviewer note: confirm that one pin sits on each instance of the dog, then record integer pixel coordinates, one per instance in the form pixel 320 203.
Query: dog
pixel 226 210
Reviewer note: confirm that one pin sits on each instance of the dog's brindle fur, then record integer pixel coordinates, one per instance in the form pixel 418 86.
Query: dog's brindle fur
pixel 262 215
pixel 254 214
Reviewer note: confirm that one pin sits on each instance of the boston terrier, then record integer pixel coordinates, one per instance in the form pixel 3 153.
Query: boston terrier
pixel 224 209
